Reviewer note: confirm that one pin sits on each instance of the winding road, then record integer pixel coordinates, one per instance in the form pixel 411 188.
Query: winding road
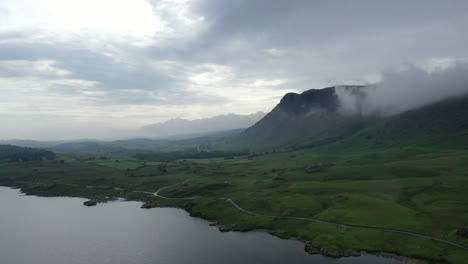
pixel 347 225
pixel 164 197
pixel 314 219
pixel 294 217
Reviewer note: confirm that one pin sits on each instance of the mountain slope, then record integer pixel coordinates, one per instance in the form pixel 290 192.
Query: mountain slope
pixel 315 119
pixel 439 125
pixel 314 114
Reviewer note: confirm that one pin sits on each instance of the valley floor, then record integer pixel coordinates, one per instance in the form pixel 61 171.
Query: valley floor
pixel 422 191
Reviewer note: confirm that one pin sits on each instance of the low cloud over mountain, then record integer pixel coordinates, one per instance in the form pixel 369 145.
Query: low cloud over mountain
pixel 405 89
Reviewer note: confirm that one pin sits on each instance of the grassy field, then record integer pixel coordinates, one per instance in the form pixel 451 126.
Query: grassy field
pixel 414 189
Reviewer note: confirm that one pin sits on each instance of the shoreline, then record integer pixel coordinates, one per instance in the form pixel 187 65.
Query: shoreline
pixel 308 248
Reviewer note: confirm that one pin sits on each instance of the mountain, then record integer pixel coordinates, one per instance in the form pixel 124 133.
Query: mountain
pixel 315 118
pixel 312 114
pixel 312 119
pixel 199 127
pixel 443 125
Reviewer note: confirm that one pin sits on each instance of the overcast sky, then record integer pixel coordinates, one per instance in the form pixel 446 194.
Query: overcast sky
pixel 100 68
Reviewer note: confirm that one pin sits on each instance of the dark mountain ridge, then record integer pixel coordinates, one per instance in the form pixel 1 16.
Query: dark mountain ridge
pixel 298 104
pixel 313 113
pixel 315 118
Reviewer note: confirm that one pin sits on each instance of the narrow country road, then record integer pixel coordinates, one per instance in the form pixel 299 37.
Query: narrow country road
pixel 315 219
pixel 347 225
pixel 293 217
pixel 164 197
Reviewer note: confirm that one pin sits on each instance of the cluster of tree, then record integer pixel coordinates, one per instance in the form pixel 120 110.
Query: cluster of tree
pixel 171 156
pixel 15 154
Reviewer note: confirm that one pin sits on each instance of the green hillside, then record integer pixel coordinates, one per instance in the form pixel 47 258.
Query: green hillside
pixel 407 172
pixel 11 153
pixel 441 125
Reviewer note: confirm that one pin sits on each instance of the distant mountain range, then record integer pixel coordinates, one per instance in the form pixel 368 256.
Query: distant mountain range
pixel 175 129
pixel 313 119
pixel 198 127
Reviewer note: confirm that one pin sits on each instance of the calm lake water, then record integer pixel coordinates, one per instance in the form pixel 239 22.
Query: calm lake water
pixel 38 230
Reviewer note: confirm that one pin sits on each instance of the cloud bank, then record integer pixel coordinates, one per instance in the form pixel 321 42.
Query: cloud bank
pixel 408 88
pixel 97 68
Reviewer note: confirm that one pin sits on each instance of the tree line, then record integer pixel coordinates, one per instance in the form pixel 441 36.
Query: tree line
pixel 171 156
pixel 11 153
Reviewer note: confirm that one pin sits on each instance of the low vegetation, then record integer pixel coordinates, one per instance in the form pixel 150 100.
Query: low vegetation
pixel 407 172
pixel 414 189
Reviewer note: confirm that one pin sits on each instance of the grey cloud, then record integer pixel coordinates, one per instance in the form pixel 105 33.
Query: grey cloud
pixel 336 40
pixel 290 22
pixel 113 79
pixel 315 44
pixel 406 89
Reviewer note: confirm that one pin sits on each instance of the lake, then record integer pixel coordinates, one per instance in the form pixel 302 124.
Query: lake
pixel 42 230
